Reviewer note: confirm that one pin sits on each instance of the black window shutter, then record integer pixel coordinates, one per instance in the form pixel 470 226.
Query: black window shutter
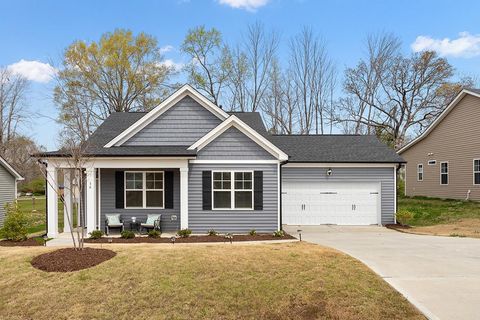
pixel 119 189
pixel 258 190
pixel 207 190
pixel 168 190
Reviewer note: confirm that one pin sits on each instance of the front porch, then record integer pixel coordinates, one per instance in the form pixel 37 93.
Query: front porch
pixel 122 186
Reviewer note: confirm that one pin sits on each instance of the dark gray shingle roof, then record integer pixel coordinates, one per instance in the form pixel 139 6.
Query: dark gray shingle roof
pixel 253 119
pixel 335 148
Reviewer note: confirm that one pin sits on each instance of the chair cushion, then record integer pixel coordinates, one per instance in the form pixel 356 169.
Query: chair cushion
pixel 113 219
pixel 151 218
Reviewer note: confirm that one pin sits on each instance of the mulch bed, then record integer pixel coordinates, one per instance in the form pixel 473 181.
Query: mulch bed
pixel 31 242
pixel 69 259
pixel 192 239
pixel 397 226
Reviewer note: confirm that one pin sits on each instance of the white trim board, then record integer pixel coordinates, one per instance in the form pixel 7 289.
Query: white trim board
pixel 234 161
pixel 178 95
pixel 442 115
pixel 234 121
pixel 339 165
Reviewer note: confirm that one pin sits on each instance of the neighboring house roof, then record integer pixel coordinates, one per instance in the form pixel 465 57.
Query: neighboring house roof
pixel 10 169
pixel 336 149
pixel 445 112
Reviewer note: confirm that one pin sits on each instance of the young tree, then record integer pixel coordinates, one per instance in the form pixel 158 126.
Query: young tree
pixel 121 72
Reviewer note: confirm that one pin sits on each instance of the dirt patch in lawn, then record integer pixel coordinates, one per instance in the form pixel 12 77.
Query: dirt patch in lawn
pixel 25 243
pixel 192 239
pixel 69 259
pixel 461 228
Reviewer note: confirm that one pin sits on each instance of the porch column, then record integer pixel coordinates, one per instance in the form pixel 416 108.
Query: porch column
pixel 91 199
pixel 67 200
pixel 184 198
pixel 52 202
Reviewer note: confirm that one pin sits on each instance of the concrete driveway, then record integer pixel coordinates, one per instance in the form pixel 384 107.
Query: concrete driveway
pixel 439 275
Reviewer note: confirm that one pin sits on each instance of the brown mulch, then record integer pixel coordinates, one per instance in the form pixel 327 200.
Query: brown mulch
pixel 397 226
pixel 25 243
pixel 69 259
pixel 192 239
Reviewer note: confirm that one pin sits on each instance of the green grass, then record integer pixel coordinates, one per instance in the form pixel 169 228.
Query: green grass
pixel 432 211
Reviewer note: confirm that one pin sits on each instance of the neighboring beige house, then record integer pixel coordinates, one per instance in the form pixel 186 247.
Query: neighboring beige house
pixel 444 161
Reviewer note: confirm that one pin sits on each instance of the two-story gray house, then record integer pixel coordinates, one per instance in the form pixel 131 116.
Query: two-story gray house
pixel 203 168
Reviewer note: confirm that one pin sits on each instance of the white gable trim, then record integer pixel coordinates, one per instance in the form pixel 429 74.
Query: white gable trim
pixel 10 169
pixel 442 115
pixel 234 121
pixel 178 95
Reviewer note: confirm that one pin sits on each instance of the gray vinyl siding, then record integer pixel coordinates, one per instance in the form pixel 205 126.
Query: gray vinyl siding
pixel 107 201
pixel 235 221
pixel 233 145
pixel 182 124
pixel 383 175
pixel 7 191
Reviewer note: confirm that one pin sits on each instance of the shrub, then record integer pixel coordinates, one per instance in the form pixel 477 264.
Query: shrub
pixel 154 234
pixel 96 234
pixel 16 224
pixel 212 232
pixel 404 217
pixel 127 234
pixel 279 233
pixel 253 232
pixel 184 233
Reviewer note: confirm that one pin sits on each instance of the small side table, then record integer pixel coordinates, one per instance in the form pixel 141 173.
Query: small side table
pixel 135 226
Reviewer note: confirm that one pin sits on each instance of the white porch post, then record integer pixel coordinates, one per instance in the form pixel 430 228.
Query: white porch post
pixel 67 201
pixel 184 198
pixel 52 201
pixel 91 199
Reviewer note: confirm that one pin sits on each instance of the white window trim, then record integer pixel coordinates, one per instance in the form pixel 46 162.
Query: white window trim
pixel 420 165
pixel 232 191
pixel 473 168
pixel 448 173
pixel 143 190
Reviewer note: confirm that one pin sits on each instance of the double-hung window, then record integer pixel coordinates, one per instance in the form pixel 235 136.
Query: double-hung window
pixel 443 172
pixel 476 171
pixel 232 190
pixel 420 172
pixel 144 189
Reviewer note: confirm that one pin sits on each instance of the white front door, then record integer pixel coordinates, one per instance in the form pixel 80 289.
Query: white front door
pixel 342 203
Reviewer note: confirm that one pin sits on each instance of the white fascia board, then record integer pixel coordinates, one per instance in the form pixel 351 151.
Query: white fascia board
pixel 234 161
pixel 444 113
pixel 339 165
pixel 10 169
pixel 131 163
pixel 234 121
pixel 175 97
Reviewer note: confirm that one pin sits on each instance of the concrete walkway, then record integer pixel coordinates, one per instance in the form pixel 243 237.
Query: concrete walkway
pixel 439 275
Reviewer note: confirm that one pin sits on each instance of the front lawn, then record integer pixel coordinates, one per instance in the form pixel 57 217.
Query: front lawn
pixel 443 217
pixel 275 281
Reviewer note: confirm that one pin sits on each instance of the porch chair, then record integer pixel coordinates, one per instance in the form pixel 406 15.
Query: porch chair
pixel 153 222
pixel 113 220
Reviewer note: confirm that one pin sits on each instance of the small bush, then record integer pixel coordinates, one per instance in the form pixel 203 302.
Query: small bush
pixel 212 232
pixel 154 234
pixel 253 232
pixel 16 224
pixel 96 234
pixel 184 233
pixel 404 217
pixel 127 234
pixel 279 233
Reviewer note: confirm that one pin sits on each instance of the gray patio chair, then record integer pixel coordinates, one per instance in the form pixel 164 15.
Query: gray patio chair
pixel 153 222
pixel 113 220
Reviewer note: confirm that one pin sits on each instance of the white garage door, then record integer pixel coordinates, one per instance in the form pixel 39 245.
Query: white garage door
pixel 342 203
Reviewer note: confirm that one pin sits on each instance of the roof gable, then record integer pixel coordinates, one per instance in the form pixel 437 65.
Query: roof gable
pixel 438 120
pixel 10 169
pixel 149 117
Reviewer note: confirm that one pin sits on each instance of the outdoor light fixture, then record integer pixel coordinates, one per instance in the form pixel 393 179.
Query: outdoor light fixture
pixel 172 239
pixel 110 240
pixel 229 237
pixel 299 234
pixel 45 238
pixel 329 171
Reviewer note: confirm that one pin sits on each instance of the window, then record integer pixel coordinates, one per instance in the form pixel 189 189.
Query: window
pixel 144 189
pixel 443 172
pixel 232 190
pixel 432 162
pixel 420 172
pixel 476 171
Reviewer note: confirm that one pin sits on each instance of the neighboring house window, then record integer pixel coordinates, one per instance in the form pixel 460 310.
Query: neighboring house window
pixel 443 172
pixel 420 172
pixel 232 190
pixel 476 171
pixel 432 162
pixel 144 189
